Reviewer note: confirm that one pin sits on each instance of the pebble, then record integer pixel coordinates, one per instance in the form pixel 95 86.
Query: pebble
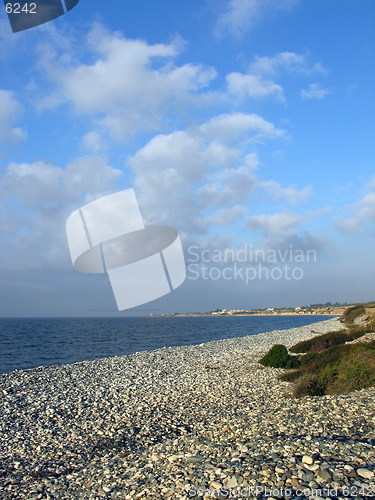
pixel 367 474
pixel 280 470
pixel 323 476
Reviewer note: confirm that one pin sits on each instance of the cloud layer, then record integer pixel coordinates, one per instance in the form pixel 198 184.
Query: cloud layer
pixel 197 174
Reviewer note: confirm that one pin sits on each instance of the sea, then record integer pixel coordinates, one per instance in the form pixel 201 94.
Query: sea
pixel 31 342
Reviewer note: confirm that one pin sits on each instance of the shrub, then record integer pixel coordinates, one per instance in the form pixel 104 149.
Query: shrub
pixel 326 374
pixel 290 376
pixel 350 314
pixel 355 371
pixel 307 386
pixel 327 340
pixel 278 357
pixel 313 363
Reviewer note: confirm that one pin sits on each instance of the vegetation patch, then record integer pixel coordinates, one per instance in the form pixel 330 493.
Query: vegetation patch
pixel 352 313
pixel 321 342
pixel 368 327
pixel 341 368
pixel 307 385
pixel 330 364
pixel 278 357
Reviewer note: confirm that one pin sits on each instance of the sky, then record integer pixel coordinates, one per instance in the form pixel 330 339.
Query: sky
pixel 247 125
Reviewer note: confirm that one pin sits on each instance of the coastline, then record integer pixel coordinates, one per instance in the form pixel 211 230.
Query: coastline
pixel 198 315
pixel 163 423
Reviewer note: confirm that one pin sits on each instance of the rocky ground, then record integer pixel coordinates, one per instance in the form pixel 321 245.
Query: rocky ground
pixel 180 423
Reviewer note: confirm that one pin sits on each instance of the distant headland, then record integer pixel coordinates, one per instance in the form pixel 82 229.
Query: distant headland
pixel 336 309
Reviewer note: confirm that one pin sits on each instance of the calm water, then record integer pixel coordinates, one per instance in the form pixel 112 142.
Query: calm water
pixel 26 343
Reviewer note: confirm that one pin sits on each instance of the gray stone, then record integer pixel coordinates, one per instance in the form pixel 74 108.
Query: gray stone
pixel 323 476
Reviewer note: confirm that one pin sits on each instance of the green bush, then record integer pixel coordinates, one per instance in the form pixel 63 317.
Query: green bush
pixel 278 357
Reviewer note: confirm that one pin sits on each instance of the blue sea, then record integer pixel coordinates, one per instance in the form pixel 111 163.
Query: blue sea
pixel 27 343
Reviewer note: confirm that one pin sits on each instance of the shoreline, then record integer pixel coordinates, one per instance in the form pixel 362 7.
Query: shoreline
pixel 144 347
pixel 162 423
pixel 238 315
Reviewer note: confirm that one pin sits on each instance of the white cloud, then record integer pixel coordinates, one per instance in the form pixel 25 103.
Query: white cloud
pixel 306 241
pixel 362 211
pixel 93 142
pixel 10 112
pixel 275 224
pixel 281 230
pixel 241 16
pixel 236 126
pixel 128 84
pixel 258 83
pixel 182 178
pixel 284 61
pixel 41 184
pixel 365 207
pixel 227 216
pixel 168 171
pixel 349 226
pixel 322 211
pixel 36 198
pixel 290 194
pixel 253 86
pixel 314 91
pixel 230 185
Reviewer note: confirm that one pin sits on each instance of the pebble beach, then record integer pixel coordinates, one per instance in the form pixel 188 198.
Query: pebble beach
pixel 183 422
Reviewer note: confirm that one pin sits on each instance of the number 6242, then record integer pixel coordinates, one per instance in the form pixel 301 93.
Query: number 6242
pixel 16 8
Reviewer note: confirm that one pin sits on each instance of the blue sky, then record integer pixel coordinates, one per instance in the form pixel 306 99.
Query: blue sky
pixel 239 122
